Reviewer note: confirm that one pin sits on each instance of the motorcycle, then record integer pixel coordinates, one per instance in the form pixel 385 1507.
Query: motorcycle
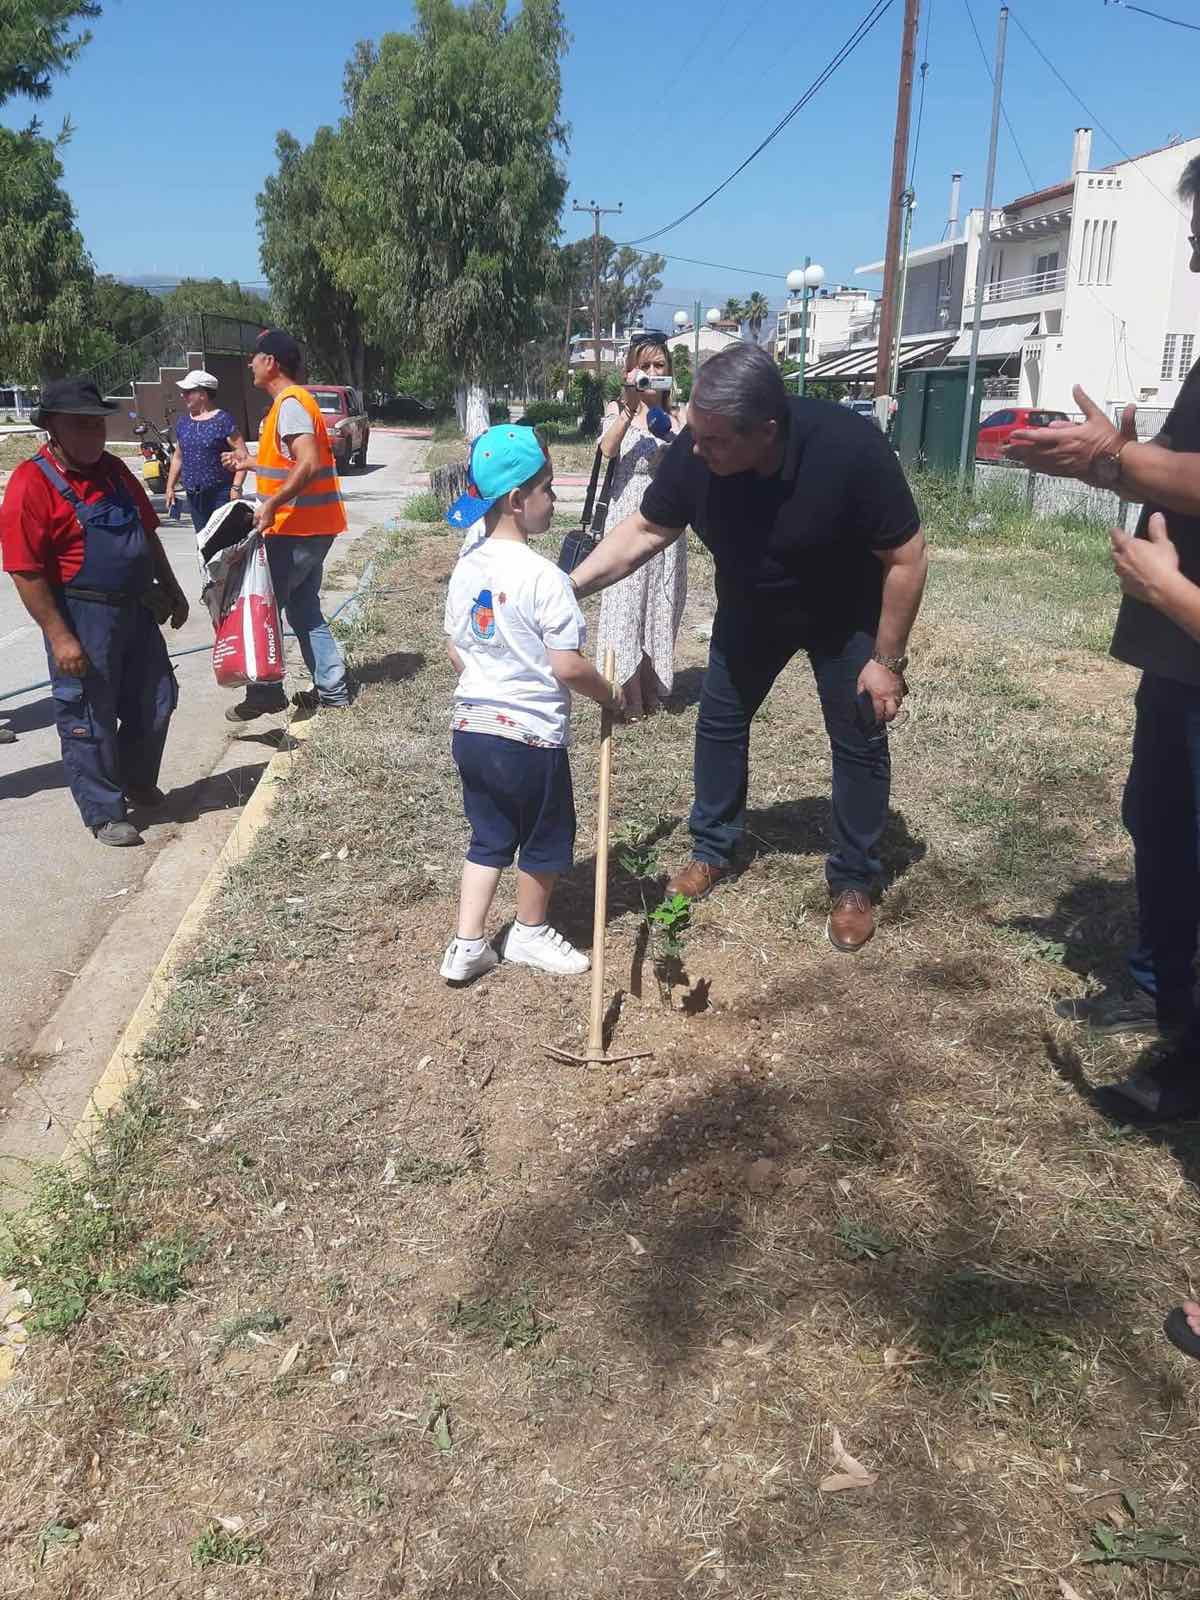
pixel 157 448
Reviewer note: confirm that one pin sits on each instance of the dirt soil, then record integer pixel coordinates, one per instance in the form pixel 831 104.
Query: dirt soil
pixel 373 1298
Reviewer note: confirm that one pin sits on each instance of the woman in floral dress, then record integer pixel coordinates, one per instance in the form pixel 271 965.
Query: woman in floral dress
pixel 640 616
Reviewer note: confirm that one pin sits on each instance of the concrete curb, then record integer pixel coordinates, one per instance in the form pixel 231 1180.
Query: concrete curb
pixel 122 1068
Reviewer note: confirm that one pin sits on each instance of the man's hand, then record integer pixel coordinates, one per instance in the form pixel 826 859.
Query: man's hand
pixel 887 690
pixel 236 460
pixel 170 500
pixel 179 610
pixel 617 709
pixel 264 515
pixel 69 656
pixel 1146 567
pixel 1069 449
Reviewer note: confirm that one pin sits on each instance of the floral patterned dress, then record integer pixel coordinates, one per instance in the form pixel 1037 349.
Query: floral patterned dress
pixel 641 614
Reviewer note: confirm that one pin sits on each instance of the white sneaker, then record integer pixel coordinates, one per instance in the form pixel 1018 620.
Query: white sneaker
pixel 545 949
pixel 460 967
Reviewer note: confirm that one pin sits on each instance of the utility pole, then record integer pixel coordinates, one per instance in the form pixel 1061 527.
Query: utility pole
pixel 985 246
pixel 597 212
pixel 891 262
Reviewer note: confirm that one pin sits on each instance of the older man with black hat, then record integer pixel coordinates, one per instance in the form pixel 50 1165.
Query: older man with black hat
pixel 300 513
pixel 79 539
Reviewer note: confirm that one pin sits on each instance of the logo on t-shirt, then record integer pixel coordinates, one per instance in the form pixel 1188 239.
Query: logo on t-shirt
pixel 483 617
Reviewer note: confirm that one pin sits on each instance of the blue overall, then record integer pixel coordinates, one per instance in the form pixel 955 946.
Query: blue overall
pixel 112 724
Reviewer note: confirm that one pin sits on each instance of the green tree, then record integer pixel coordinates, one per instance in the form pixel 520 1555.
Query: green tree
pixel 629 280
pixel 757 309
pixel 46 279
pixel 304 238
pixel 218 298
pixel 681 369
pixel 36 42
pixel 453 187
pixel 124 311
pixel 734 311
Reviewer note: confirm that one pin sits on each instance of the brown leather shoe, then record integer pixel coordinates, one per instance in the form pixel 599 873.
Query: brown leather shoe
pixel 851 921
pixel 697 879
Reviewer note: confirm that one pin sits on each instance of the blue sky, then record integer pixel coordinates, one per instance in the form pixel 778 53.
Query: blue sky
pixel 663 102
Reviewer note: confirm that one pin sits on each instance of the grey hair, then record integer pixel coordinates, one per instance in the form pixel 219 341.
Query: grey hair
pixel 1189 184
pixel 743 384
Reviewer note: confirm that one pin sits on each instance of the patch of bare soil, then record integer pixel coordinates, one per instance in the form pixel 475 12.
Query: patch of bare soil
pixel 437 1316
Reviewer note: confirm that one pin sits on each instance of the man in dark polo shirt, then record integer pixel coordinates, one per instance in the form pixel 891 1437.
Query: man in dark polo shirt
pixel 1158 631
pixel 818 547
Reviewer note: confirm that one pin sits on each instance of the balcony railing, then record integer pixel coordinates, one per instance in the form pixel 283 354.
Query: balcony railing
pixel 1022 288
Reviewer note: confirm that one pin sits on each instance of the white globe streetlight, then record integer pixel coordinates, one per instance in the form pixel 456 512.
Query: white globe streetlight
pixel 801 281
pixel 680 319
pixel 712 316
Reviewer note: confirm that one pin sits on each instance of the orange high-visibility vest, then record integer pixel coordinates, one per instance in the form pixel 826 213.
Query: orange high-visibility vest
pixel 318 510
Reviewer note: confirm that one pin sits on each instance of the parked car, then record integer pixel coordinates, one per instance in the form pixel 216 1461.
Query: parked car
pixel 994 430
pixel 346 419
pixel 864 408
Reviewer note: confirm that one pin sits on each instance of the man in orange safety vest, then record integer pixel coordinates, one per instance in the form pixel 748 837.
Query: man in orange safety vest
pixel 300 513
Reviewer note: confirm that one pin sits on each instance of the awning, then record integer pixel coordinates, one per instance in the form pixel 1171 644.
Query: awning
pixel 862 361
pixel 995 339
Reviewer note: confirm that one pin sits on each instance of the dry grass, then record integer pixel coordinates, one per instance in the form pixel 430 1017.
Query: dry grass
pixel 571 455
pixel 17 447
pixel 452 1320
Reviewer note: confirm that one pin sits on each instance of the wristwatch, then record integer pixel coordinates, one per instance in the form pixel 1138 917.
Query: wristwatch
pixel 1106 466
pixel 896 664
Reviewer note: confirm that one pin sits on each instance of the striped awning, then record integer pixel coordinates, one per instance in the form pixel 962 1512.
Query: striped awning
pixel 862 361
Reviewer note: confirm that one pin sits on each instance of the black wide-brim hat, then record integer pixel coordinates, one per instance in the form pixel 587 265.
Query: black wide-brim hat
pixel 72 397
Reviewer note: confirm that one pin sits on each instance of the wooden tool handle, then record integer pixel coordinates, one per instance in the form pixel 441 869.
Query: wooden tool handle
pixel 600 918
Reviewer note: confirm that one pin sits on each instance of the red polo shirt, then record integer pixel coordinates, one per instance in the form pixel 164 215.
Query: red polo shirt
pixel 39 532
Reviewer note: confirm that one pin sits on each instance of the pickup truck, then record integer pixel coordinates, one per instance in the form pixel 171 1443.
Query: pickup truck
pixel 346 419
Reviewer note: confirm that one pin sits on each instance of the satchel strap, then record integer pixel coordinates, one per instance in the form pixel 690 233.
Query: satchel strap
pixel 595 518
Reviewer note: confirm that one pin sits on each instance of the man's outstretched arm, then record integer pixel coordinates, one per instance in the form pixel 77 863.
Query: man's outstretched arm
pixel 629 546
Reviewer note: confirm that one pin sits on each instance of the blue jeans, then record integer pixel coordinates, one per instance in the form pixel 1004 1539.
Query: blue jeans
pixel 297 565
pixel 203 502
pixel 744 659
pixel 1162 813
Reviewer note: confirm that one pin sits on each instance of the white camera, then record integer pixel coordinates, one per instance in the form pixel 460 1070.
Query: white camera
pixel 646 381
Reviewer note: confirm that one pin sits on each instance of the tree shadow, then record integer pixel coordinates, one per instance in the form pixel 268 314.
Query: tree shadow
pixel 28 718
pixel 33 780
pixel 685 691
pixel 1095 920
pixel 397 667
pixel 217 791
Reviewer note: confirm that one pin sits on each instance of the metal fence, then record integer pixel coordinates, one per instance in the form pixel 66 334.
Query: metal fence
pixel 169 346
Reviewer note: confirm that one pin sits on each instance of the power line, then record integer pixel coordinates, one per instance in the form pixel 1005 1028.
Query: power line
pixel 876 13
pixel 1088 112
pixel 1003 109
pixel 1157 15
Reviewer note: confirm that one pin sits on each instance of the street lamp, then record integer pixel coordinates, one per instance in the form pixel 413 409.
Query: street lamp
pixel 712 316
pixel 800 281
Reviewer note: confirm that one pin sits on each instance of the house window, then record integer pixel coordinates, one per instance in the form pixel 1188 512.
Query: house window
pixel 1083 252
pixel 1186 346
pixel 1112 245
pixel 1093 253
pixel 1043 269
pixel 1170 344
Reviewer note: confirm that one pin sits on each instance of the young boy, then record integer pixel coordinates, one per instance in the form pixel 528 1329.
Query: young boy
pixel 515 635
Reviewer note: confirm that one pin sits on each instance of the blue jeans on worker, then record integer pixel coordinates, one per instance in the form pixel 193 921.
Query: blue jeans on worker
pixel 747 654
pixel 297 566
pixel 1162 813
pixel 112 724
pixel 203 502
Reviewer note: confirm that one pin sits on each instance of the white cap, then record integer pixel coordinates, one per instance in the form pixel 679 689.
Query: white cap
pixel 198 379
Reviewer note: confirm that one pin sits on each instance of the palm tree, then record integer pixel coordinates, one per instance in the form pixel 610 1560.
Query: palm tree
pixel 734 311
pixel 756 311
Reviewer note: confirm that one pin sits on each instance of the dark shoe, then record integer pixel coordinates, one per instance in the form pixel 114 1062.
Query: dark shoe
pixel 1112 1012
pixel 120 834
pixel 247 710
pixel 7 736
pixel 149 799
pixel 1180 1334
pixel 310 700
pixel 851 921
pixel 697 879
pixel 1169 1091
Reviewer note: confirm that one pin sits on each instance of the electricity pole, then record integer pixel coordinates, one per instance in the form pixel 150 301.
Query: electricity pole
pixel 597 212
pixel 985 246
pixel 896 198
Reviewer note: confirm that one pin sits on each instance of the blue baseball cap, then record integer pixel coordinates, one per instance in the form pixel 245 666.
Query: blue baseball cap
pixel 502 459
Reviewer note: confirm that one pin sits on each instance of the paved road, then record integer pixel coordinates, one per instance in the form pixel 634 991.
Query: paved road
pixel 60 891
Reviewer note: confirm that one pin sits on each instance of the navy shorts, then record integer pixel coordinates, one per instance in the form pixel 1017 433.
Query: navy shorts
pixel 517 797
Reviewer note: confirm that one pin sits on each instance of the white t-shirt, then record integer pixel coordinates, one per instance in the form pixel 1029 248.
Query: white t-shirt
pixel 505 608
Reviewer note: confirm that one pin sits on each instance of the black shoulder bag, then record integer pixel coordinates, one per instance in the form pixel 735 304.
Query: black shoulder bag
pixel 577 546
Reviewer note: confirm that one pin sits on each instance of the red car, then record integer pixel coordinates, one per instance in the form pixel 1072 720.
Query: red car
pixel 994 430
pixel 346 419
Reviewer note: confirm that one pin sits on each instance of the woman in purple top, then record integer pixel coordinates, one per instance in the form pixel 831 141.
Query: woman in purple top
pixel 201 437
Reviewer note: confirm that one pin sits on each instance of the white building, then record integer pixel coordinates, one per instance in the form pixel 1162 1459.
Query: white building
pixel 838 316
pixel 1088 283
pixel 713 339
